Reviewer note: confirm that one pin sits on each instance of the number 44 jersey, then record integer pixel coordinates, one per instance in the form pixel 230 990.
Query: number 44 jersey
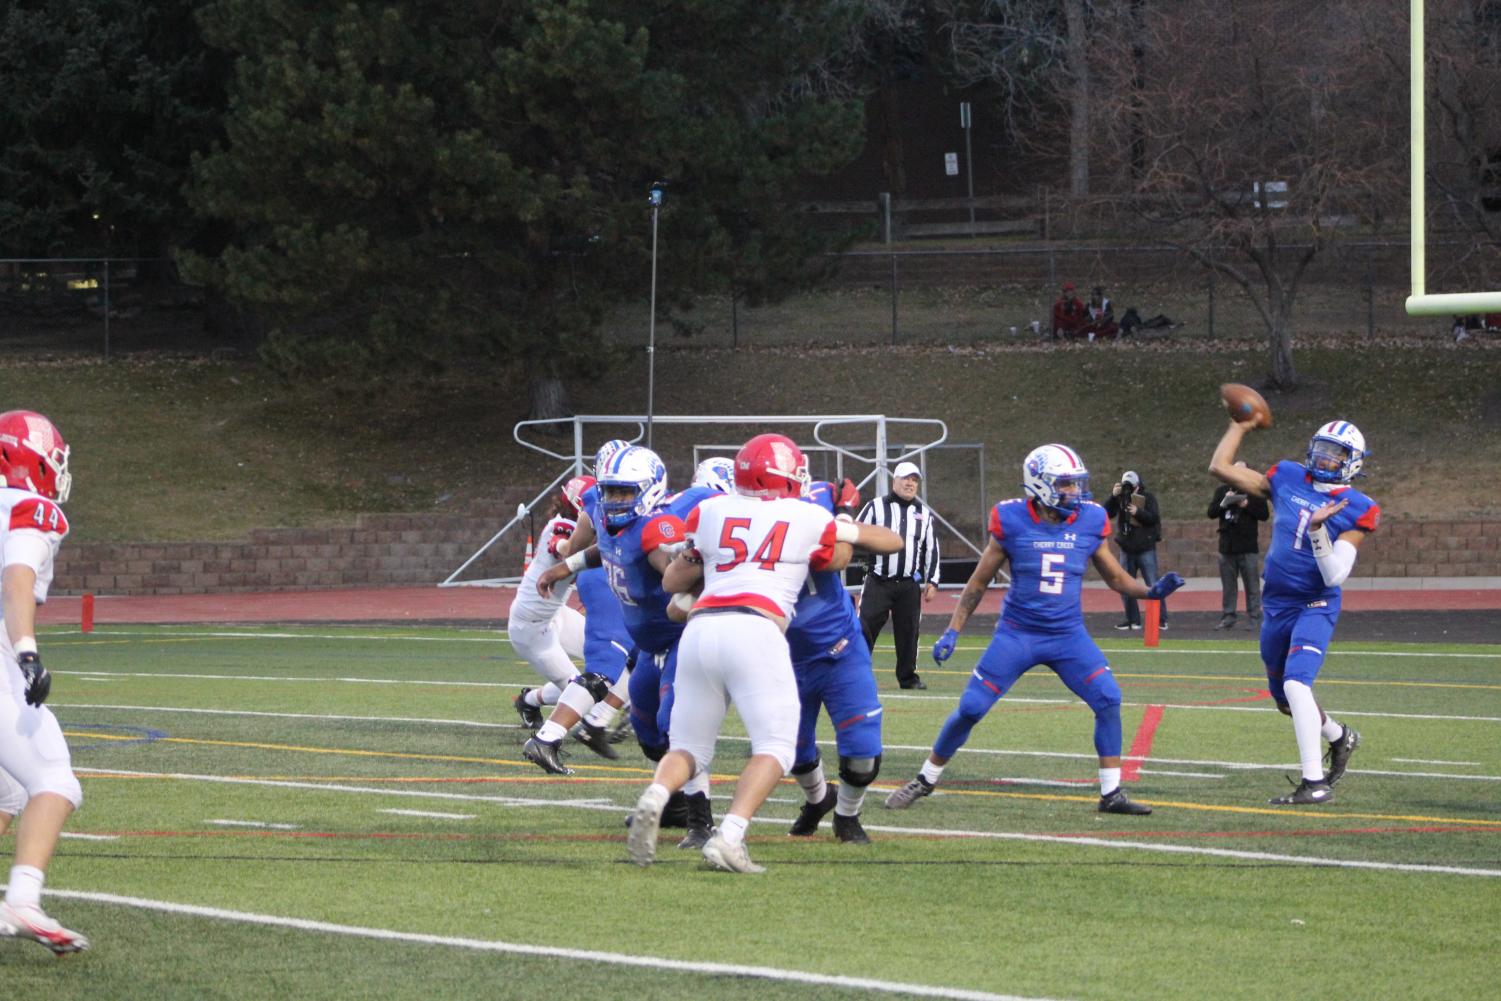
pixel 1048 560
pixel 757 553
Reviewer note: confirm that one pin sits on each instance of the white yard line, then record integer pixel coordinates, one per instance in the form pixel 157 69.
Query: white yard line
pixel 76 835
pixel 544 951
pixel 253 823
pixel 432 813
pixel 1431 761
pixel 926 831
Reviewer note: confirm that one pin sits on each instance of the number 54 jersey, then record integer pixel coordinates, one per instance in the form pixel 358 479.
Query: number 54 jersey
pixel 1048 560
pixel 757 553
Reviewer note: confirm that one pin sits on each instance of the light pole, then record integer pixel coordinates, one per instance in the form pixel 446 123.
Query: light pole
pixel 655 197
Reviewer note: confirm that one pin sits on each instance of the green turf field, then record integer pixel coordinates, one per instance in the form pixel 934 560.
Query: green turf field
pixel 241 785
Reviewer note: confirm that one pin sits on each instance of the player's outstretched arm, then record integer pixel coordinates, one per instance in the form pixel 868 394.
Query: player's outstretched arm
pixel 875 539
pixel 985 570
pixel 1116 578
pixel 559 572
pixel 582 537
pixel 1222 465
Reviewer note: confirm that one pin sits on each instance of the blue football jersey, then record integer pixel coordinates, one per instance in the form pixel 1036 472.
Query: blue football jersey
pixel 1048 560
pixel 825 613
pixel 1291 575
pixel 635 582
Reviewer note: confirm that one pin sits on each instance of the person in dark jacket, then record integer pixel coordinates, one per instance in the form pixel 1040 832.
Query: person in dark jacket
pixel 1137 527
pixel 1238 514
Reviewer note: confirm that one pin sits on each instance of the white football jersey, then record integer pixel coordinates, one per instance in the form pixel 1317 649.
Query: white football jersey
pixel 31 529
pixel 529 606
pixel 757 553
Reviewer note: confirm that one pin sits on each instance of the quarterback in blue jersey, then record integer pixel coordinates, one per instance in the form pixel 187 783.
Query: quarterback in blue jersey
pixel 1320 520
pixel 832 665
pixel 1050 538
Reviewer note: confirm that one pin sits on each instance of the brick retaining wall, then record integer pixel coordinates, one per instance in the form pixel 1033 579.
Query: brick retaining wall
pixel 413 549
pixel 1402 548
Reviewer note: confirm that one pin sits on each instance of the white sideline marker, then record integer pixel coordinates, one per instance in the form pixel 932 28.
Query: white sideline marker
pixel 431 813
pixel 545 951
pixel 253 823
pixel 79 836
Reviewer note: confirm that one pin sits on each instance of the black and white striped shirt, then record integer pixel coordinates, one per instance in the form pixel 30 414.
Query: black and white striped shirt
pixel 914 523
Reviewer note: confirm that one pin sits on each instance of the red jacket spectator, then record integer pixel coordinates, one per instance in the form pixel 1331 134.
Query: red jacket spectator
pixel 1069 316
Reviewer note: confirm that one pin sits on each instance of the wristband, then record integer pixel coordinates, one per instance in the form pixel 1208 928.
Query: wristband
pixel 846 531
pixel 26 644
pixel 577 562
pixel 683 601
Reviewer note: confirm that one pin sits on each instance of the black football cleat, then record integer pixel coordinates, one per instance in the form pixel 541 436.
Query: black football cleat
pixel 811 814
pixel 1339 755
pixel 596 739
pixel 1119 802
pixel 545 754
pixel 849 830
pixel 1306 794
pixel 531 716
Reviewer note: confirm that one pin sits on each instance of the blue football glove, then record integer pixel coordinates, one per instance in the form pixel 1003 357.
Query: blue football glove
pixel 1166 585
pixel 944 648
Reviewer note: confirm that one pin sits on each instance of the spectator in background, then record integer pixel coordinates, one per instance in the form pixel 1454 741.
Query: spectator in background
pixel 898 584
pixel 1138 526
pixel 1238 514
pixel 1069 315
pixel 1101 325
pixel 1131 322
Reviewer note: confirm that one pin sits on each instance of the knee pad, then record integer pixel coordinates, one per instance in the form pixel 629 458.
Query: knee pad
pixel 859 772
pixel 807 766
pixel 783 750
pixel 597 685
pixel 975 703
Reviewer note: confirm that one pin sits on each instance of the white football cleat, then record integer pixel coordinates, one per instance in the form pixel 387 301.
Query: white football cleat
pixel 725 857
pixel 641 842
pixel 29 921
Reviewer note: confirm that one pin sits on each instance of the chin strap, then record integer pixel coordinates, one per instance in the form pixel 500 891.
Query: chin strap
pixel 1335 559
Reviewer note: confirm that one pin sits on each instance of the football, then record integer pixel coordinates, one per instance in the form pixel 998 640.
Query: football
pixel 1244 403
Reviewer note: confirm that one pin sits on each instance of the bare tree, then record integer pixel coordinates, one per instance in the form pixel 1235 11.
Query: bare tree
pixel 1040 54
pixel 1266 128
pixel 1463 55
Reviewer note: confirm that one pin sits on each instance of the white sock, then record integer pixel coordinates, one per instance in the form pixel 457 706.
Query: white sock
pixel 1331 730
pixel 655 796
pixel 25 886
pixel 602 715
pixel 1110 780
pixel 533 698
pixel 850 799
pixel 931 772
pixel 815 788
pixel 551 731
pixel 1306 729
pixel 732 829
pixel 548 694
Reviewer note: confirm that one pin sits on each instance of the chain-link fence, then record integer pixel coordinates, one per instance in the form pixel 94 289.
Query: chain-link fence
pixel 906 294
pixel 99 305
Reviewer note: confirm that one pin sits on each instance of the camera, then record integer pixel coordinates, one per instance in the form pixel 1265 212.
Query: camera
pixel 1127 489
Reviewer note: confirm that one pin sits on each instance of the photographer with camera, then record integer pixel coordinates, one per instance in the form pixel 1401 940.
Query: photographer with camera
pixel 1238 514
pixel 1138 527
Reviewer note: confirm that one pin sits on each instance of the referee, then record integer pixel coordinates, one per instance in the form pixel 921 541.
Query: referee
pixel 898 584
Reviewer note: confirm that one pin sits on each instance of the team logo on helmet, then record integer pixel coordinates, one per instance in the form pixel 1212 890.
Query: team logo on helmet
pixel 642 472
pixel 1055 477
pixel 1336 453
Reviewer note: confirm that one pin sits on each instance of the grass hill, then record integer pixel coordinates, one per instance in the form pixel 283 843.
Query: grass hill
pixel 174 448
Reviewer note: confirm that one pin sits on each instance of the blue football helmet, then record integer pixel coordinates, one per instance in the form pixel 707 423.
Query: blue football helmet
pixel 717 473
pixel 639 470
pixel 1055 477
pixel 1336 453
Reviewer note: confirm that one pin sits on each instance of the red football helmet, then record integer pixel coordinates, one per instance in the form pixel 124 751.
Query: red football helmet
pixel 33 455
pixel 770 465
pixel 573 492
